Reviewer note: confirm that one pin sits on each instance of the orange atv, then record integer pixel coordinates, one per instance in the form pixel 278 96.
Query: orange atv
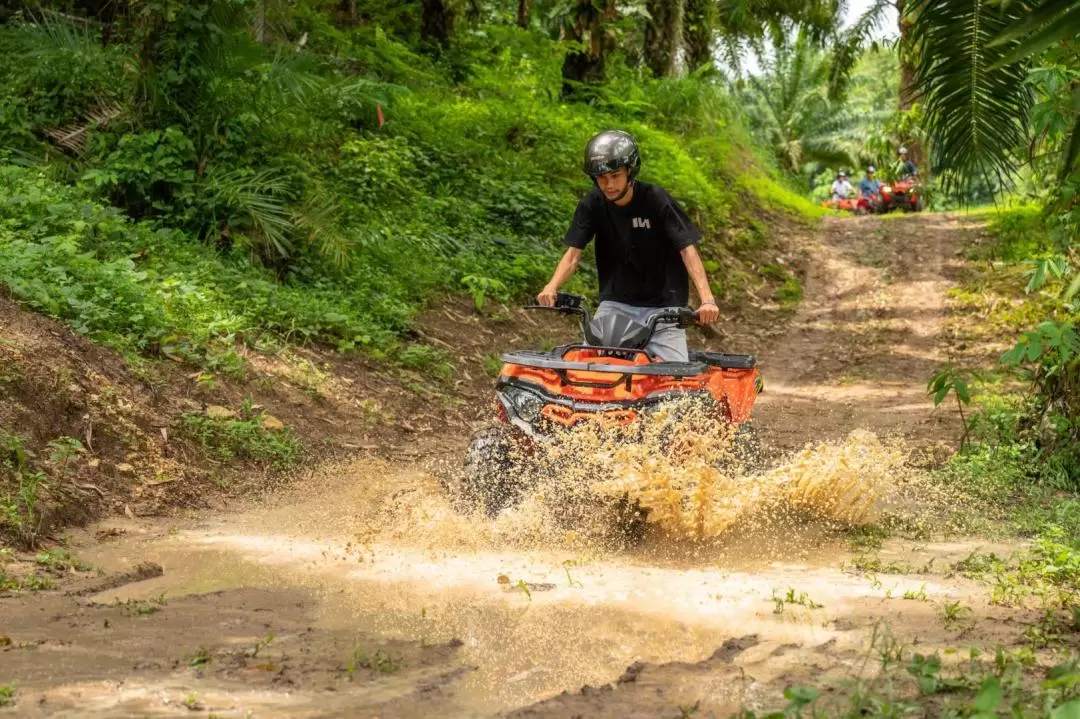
pixel 609 378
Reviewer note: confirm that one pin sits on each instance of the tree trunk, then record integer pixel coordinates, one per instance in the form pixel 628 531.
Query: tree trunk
pixel 260 21
pixel 436 23
pixel 663 36
pixel 907 70
pixel 348 11
pixel 592 28
pixel 523 13
pixel 908 84
pixel 699 32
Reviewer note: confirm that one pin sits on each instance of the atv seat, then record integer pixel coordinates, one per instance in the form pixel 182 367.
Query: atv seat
pixel 724 361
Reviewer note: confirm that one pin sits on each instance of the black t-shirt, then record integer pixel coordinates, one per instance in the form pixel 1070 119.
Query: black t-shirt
pixel 637 246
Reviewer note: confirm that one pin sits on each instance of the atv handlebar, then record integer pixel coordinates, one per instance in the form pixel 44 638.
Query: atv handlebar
pixel 682 316
pixel 565 303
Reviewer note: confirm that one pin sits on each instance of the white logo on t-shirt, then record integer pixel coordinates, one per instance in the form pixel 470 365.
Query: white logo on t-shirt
pixel 642 223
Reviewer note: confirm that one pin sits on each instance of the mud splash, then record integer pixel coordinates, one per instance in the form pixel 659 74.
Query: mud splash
pixel 540 608
pixel 691 478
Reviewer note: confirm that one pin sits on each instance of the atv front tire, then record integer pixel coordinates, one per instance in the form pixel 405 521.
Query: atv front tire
pixel 490 478
pixel 746 450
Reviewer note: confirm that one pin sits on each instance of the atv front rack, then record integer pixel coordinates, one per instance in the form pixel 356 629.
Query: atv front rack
pixel 546 360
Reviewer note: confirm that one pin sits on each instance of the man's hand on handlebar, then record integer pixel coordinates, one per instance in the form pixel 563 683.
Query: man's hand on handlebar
pixel 547 296
pixel 708 313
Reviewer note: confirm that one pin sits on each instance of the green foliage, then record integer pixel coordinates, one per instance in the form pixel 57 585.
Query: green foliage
pixel 260 197
pixel 60 560
pixel 949 379
pixel 924 685
pixel 1041 427
pixel 427 359
pixel 7 694
pixel 20 490
pixel 133 287
pixel 244 438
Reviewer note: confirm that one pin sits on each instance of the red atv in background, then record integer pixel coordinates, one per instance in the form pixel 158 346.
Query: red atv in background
pixel 902 194
pixel 856 205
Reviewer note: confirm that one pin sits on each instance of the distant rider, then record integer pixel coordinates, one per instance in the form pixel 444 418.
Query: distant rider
pixel 905 167
pixel 841 188
pixel 645 245
pixel 869 186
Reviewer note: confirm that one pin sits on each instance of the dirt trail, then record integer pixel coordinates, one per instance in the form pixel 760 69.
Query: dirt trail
pixel 357 592
pixel 867 337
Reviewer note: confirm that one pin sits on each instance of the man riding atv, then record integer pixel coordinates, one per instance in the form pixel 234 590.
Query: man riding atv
pixel 869 184
pixel 905 168
pixel 841 188
pixel 870 189
pixel 645 245
pixel 630 373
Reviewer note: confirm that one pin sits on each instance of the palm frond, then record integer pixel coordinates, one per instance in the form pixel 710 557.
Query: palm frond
pixel 291 74
pixel 850 45
pixel 1042 14
pixel 256 202
pixel 57 35
pixel 73 136
pixel 319 221
pixel 1052 22
pixel 975 112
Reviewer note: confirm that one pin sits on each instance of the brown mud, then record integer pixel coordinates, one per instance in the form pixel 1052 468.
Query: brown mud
pixel 357 592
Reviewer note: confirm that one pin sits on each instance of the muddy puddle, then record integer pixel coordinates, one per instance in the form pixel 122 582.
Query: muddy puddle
pixel 372 555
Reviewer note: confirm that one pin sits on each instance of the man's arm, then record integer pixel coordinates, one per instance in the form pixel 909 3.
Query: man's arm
pixel 708 312
pixel 563 272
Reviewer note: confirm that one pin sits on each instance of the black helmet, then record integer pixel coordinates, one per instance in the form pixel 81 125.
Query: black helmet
pixel 609 151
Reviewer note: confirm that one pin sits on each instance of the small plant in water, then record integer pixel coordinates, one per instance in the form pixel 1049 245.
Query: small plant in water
pixel 136 608
pixel 919 596
pixel 801 598
pixel 262 643
pixel 381 662
pixel 200 658
pixel 60 560
pixel 7 694
pixel 569 579
pixel 954 612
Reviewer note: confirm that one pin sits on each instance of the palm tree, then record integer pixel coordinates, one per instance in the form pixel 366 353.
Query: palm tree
pixel 790 108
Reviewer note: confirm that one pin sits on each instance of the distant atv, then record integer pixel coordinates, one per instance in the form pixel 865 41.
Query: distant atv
pixel 858 205
pixel 902 195
pixel 608 378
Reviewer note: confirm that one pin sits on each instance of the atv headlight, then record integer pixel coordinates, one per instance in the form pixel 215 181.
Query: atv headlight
pixel 886 188
pixel 527 404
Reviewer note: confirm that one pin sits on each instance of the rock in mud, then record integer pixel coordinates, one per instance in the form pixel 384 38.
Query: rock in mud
pixel 631 673
pixel 734 647
pixel 215 411
pixel 141 572
pixel 271 422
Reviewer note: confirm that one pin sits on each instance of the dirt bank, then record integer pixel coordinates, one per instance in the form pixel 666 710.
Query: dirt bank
pixel 357 592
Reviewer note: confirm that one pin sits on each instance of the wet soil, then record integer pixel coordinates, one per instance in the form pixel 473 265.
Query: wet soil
pixel 357 592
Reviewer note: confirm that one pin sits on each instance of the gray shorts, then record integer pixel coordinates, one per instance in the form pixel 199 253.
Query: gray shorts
pixel 668 342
